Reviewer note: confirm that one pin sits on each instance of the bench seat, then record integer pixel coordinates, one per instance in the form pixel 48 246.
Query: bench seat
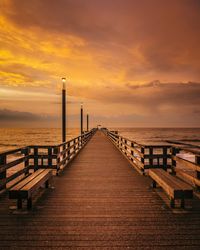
pixel 174 187
pixel 28 186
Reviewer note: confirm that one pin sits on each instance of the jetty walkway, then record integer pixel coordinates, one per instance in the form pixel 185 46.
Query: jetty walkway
pixel 99 201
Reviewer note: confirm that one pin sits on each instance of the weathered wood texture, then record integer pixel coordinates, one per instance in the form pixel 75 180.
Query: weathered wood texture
pixel 174 187
pixel 99 201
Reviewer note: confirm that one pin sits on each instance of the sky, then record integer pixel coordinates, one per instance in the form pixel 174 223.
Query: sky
pixel 133 63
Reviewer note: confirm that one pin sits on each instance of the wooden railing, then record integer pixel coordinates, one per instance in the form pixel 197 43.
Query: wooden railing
pixel 142 156
pixel 15 164
pixel 159 156
pixel 184 168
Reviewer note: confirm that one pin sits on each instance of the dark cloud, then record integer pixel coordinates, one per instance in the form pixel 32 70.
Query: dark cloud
pixel 166 32
pixel 155 94
pixel 7 115
pixel 124 41
pixel 170 85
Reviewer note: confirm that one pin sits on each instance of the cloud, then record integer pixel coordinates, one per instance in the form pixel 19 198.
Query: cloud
pixel 165 34
pixel 110 52
pixel 168 93
pixel 15 116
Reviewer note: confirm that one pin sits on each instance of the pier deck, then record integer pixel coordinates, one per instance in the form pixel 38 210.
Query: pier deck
pixel 99 201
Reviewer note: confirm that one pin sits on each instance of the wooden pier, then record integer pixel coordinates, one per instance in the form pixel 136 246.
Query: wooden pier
pixel 98 201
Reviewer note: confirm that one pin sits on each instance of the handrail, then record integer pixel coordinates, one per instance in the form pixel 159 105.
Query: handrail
pixel 157 156
pixel 188 165
pixel 142 156
pixel 56 157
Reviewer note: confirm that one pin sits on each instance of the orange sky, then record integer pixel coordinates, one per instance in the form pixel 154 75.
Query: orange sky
pixel 131 62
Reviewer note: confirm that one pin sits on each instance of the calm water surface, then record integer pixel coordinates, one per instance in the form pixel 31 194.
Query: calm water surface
pixel 11 138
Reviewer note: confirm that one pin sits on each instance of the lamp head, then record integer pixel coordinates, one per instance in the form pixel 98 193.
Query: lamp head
pixel 64 82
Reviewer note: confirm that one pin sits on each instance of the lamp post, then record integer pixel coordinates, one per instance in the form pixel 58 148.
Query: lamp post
pixel 64 109
pixel 81 118
pixel 87 122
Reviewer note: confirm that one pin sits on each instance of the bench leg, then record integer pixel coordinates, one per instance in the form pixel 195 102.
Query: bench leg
pixel 153 184
pixel 29 203
pixel 172 203
pixel 182 203
pixel 47 184
pixel 19 203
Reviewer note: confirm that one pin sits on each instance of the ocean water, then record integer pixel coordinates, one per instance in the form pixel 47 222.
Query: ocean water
pixel 185 135
pixel 11 138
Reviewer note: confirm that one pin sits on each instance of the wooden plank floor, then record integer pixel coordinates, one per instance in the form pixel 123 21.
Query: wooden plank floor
pixel 99 201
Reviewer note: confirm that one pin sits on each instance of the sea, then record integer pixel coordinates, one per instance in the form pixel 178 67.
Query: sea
pixel 11 138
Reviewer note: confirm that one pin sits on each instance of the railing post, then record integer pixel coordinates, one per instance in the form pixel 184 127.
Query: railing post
pixel 125 147
pixel 118 141
pixel 197 161
pixel 151 157
pixel 142 159
pixel 132 152
pixel 3 173
pixel 121 143
pixel 50 157
pixel 74 141
pixel 26 152
pixel 64 155
pixel 56 151
pixel 68 151
pixel 35 152
pixel 165 158
pixel 79 142
pixel 174 151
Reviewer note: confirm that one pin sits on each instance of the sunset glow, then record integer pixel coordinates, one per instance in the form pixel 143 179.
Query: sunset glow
pixel 132 63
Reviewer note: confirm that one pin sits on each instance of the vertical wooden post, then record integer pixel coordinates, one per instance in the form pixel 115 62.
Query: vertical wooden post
pixel 49 157
pixel 174 151
pixel 125 147
pixel 35 152
pixel 79 142
pixel 64 155
pixel 118 143
pixel 121 143
pixel 151 156
pixel 87 122
pixel 165 158
pixel 74 141
pixel 197 161
pixel 68 151
pixel 57 152
pixel 26 151
pixel 132 152
pixel 3 173
pixel 142 160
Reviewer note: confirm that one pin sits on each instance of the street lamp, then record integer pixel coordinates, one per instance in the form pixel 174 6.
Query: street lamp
pixel 81 118
pixel 64 81
pixel 87 122
pixel 64 109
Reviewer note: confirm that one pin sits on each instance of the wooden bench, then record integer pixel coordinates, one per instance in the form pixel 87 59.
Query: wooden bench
pixel 175 188
pixel 28 186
